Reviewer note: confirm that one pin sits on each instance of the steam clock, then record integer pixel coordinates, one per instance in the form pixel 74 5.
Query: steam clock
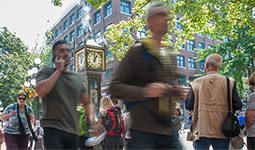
pixel 90 63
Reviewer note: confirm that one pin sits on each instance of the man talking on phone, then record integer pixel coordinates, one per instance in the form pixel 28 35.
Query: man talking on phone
pixel 60 91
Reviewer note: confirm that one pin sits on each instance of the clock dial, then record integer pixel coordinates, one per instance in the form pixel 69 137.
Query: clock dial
pixel 94 60
pixel 81 61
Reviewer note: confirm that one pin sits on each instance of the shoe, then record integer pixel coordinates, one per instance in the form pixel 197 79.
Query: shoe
pixel 95 140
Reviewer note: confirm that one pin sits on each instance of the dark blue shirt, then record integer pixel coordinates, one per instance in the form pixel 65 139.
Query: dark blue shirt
pixel 241 120
pixel 236 101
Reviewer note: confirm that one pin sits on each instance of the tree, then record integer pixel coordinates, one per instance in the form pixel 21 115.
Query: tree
pixel 14 64
pixel 238 57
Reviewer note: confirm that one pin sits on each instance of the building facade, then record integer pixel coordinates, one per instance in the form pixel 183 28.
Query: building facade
pixel 70 27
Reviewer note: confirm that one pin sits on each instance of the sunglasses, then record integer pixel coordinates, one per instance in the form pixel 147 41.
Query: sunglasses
pixel 22 98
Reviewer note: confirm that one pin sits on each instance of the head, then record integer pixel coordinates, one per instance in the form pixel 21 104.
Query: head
pixel 213 63
pixel 251 81
pixel 157 18
pixel 105 103
pixel 177 112
pixel 22 99
pixel 114 100
pixel 61 49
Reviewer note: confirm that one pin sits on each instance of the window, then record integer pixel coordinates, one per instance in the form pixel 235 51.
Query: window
pixel 108 9
pixel 56 33
pixel 178 24
pixel 71 36
pixel 180 61
pixel 192 79
pixel 209 46
pixel 201 45
pixel 192 63
pixel 141 33
pixel 80 44
pixel 79 13
pixel 97 37
pixel 71 53
pixel 190 45
pixel 72 68
pixel 52 37
pixel 60 30
pixel 72 19
pixel 202 65
pixel 65 24
pixel 66 38
pixel 79 30
pixel 181 80
pixel 105 28
pixel 88 6
pixel 182 46
pixel 201 34
pixel 109 74
pixel 125 7
pixel 209 36
pixel 97 17
pixel 108 54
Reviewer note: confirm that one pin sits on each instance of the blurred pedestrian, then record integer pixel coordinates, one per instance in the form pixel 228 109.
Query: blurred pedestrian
pixel 208 100
pixel 249 129
pixel 128 137
pixel 114 100
pixel 241 121
pixel 190 117
pixel 177 120
pixel 110 142
pixel 61 91
pixel 145 78
pixel 16 130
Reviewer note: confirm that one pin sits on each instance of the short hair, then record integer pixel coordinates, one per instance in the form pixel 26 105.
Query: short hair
pixel 251 80
pixel 22 93
pixel 214 62
pixel 61 41
pixel 151 7
pixel 178 109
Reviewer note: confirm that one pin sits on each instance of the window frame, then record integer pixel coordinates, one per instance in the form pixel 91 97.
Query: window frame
pixel 72 18
pixel 182 80
pixel 79 13
pixel 97 18
pixel 189 44
pixel 125 7
pixel 180 61
pixel 65 24
pixel 79 31
pixel 106 9
pixel 191 62
pixel 201 44
pixel 96 37
pixel 72 37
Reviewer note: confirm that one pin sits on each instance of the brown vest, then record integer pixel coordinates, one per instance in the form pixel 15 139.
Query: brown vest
pixel 210 105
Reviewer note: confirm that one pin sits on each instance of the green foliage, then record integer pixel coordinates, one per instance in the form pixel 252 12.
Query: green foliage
pixel 238 57
pixel 57 3
pixel 14 64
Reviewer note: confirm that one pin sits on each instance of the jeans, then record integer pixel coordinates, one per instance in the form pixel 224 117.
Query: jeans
pixel 15 141
pixel 145 140
pixel 251 143
pixel 204 143
pixel 57 139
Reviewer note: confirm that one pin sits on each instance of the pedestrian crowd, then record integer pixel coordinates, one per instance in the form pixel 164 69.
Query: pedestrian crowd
pixel 145 81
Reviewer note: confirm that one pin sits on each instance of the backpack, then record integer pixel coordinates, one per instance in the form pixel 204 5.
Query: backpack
pixel 115 123
pixel 82 122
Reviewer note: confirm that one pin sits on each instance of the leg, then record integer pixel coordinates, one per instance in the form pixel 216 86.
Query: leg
pixel 53 139
pixel 203 143
pixel 11 141
pixel 143 140
pixel 23 142
pixel 169 142
pixel 220 144
pixel 251 143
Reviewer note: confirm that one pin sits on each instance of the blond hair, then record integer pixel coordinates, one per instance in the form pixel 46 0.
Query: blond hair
pixel 105 103
pixel 251 81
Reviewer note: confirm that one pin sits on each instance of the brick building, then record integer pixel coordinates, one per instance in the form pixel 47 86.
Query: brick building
pixel 70 28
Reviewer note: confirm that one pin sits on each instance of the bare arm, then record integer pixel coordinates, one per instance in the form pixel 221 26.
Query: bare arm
pixel 4 117
pixel 45 86
pixel 89 109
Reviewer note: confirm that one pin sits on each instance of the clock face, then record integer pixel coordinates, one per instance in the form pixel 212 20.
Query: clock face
pixel 94 59
pixel 81 61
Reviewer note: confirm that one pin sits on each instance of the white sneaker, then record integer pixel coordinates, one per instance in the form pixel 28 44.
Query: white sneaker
pixel 95 140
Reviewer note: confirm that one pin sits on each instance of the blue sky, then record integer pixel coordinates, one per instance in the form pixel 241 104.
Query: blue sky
pixel 28 18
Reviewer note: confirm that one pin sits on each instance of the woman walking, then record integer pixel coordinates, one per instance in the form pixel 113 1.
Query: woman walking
pixel 16 131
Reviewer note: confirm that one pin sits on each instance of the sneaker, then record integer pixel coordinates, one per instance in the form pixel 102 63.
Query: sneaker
pixel 95 140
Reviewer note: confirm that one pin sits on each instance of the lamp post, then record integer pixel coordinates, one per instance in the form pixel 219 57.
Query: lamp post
pixel 32 73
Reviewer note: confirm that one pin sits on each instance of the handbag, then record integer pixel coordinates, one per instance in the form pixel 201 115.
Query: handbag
pixel 231 127
pixel 237 142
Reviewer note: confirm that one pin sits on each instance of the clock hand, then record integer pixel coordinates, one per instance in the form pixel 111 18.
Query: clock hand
pixel 95 58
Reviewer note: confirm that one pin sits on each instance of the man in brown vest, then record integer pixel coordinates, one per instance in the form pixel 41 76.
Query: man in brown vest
pixel 208 100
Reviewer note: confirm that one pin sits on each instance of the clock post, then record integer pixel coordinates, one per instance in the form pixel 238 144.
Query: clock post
pixel 90 63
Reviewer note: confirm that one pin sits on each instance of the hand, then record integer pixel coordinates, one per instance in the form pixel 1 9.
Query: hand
pixel 181 91
pixel 155 90
pixel 60 63
pixel 31 116
pixel 244 131
pixel 12 113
